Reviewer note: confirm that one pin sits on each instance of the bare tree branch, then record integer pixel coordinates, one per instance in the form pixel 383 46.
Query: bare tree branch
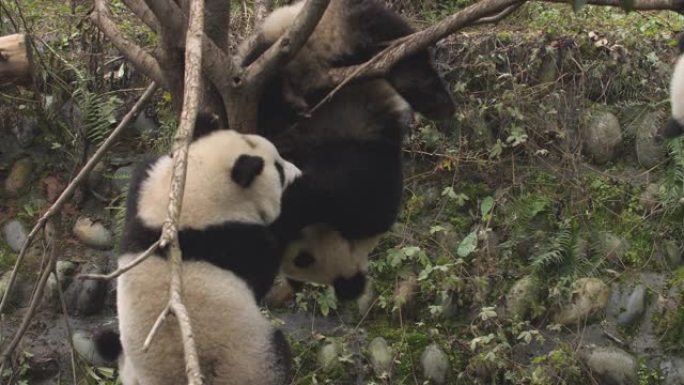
pixel 142 60
pixel 169 234
pixel 80 177
pixel 500 16
pixel 106 277
pixel 35 300
pixel 287 46
pixel 140 9
pixel 406 46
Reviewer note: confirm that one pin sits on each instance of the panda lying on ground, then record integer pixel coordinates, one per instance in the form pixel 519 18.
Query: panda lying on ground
pixel 675 126
pixel 349 149
pixel 232 193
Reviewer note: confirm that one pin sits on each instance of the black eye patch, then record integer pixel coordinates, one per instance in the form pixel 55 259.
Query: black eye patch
pixel 246 169
pixel 304 259
pixel 281 173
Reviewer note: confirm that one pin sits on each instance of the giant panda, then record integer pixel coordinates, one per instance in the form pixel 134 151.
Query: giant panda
pixel 350 148
pixel 232 193
pixel 675 125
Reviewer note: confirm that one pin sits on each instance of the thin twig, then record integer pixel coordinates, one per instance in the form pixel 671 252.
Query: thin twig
pixel 35 300
pixel 500 16
pixel 80 177
pixel 155 327
pixel 106 277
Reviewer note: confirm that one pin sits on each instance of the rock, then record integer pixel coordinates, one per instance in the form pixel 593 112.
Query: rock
pixel 650 151
pixel 380 356
pixel 672 370
pixel 19 176
pixel 602 137
pixel 121 178
pixel 93 234
pixel 85 347
pixel 65 271
pixel 590 296
pixel 634 308
pixel 87 296
pixel 328 356
pixel 21 291
pixel 435 364
pixel 25 131
pixel 648 200
pixel 15 235
pixel 611 366
pixel 97 182
pixel 522 297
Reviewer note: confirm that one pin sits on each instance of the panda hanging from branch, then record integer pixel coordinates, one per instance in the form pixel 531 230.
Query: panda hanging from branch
pixel 349 149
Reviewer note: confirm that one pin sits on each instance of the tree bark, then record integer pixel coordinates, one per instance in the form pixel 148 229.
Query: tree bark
pixel 16 66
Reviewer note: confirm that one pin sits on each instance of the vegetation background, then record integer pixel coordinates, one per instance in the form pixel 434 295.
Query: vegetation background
pixel 540 240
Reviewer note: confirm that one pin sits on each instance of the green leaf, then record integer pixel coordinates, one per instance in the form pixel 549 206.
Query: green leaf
pixel 486 206
pixel 467 245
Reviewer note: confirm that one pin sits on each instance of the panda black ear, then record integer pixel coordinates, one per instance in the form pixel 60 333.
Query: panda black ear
pixel 246 169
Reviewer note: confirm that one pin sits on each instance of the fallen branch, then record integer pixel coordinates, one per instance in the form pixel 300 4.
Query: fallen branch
pixel 638 5
pixel 142 60
pixel 500 16
pixel 80 177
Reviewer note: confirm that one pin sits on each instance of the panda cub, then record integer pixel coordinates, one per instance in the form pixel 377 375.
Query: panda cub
pixel 350 148
pixel 675 125
pixel 232 193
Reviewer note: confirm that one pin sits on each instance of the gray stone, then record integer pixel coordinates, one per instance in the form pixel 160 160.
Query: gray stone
pixel 611 366
pixel 602 137
pixel 380 356
pixel 590 296
pixel 85 347
pixel 672 370
pixel 522 297
pixel 19 176
pixel 15 235
pixel 613 246
pixel 673 253
pixel 635 307
pixel 649 151
pixel 435 364
pixel 328 356
pixel 93 233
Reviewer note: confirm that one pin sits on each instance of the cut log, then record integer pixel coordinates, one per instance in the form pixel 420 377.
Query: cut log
pixel 15 61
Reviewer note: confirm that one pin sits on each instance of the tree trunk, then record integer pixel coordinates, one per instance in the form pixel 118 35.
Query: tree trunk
pixel 15 61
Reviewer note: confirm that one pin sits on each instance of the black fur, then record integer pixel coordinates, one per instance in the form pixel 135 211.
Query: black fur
pixel 349 288
pixel 672 129
pixel 304 260
pixel 246 169
pixel 282 351
pixel 108 344
pixel 680 43
pixel 250 251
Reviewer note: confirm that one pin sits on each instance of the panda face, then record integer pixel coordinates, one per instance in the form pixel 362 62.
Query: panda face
pixel 231 177
pixel 323 256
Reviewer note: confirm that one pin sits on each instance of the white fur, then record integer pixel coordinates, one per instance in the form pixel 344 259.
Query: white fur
pixel 211 197
pixel 677 91
pixel 278 21
pixel 334 255
pixel 233 338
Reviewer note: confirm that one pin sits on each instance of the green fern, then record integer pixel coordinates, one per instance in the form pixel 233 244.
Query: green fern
pixel 99 114
pixel 562 250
